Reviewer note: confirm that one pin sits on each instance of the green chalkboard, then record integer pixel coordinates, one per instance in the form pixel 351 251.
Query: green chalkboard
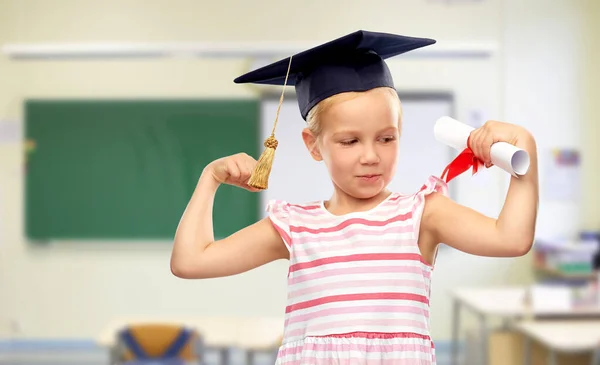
pixel 125 169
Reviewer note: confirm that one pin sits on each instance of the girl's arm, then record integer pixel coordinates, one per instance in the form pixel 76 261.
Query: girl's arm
pixel 465 229
pixel 196 254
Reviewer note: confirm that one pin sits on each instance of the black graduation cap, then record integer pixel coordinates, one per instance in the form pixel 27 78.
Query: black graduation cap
pixel 354 62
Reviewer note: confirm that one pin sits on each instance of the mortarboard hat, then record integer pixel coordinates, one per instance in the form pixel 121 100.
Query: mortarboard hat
pixel 354 62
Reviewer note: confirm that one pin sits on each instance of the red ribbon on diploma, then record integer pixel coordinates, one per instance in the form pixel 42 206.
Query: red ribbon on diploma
pixel 462 163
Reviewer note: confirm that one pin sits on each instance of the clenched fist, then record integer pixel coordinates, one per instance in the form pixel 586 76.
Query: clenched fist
pixel 482 139
pixel 233 170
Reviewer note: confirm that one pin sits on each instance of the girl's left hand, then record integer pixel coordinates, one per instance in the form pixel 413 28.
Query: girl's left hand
pixel 482 138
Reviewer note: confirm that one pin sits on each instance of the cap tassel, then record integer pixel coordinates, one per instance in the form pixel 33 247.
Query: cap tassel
pixel 260 176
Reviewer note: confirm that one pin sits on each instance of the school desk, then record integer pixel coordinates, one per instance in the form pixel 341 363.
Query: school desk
pixel 507 303
pixel 561 336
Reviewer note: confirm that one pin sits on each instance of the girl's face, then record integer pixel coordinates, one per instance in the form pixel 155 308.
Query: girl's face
pixel 359 142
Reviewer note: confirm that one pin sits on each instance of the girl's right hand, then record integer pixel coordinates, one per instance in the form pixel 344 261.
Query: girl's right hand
pixel 233 170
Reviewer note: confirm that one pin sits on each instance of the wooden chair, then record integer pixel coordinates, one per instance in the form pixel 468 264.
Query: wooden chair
pixel 157 343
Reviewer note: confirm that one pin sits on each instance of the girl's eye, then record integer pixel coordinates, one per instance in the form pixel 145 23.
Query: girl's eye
pixel 348 142
pixel 388 139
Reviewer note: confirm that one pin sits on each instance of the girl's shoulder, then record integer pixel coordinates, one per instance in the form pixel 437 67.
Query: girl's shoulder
pixel 431 185
pixel 287 217
pixel 286 206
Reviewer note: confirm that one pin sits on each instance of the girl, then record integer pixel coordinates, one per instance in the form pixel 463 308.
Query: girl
pixel 361 262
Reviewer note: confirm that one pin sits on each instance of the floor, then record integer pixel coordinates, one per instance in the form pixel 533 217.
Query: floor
pixel 100 357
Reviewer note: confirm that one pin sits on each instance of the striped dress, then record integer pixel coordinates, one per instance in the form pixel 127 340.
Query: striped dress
pixel 358 287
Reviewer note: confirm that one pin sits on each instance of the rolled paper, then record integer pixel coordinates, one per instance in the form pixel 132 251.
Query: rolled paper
pixel 455 134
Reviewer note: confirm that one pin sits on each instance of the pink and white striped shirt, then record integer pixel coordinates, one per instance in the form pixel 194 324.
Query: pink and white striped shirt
pixel 358 287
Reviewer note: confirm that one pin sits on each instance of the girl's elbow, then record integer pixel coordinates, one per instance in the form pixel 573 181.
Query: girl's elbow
pixel 516 242
pixel 177 269
pixel 183 270
pixel 522 246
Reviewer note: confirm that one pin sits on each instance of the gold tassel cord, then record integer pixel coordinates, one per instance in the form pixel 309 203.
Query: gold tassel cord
pixel 260 176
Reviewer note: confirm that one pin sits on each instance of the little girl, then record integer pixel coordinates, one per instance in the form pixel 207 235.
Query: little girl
pixel 361 262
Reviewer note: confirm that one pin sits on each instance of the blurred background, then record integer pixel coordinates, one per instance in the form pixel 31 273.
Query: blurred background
pixel 109 111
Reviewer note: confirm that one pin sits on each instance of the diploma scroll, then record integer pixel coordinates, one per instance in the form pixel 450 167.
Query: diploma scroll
pixel 509 158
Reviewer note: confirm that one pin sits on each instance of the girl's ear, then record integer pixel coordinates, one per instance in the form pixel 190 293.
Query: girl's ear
pixel 311 144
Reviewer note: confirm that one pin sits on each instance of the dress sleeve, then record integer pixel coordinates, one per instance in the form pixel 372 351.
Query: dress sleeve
pixel 433 184
pixel 279 214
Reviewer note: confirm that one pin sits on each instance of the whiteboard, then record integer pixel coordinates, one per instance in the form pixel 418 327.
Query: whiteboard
pixel 297 178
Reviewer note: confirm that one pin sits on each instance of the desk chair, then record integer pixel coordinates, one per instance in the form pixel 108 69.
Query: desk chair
pixel 157 344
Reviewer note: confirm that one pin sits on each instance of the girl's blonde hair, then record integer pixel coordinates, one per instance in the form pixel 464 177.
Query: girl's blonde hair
pixel 313 119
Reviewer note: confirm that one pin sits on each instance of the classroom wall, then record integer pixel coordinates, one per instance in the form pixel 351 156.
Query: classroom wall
pixel 544 90
pixel 71 290
pixel 589 72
